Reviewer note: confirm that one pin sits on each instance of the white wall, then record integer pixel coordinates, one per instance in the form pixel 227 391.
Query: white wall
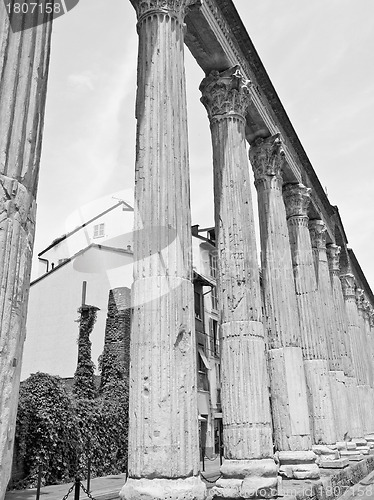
pixel 118 234
pixel 52 331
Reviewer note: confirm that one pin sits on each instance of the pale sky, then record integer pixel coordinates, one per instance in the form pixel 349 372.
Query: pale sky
pixel 318 55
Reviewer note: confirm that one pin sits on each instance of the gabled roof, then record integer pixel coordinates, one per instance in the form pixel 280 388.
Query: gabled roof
pixel 66 261
pixel 65 236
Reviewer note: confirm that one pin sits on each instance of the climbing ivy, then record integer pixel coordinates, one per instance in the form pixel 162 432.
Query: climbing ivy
pixel 47 430
pixel 84 384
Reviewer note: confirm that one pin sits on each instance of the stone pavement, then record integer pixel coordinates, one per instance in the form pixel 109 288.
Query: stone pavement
pixel 363 490
pixel 102 488
pixel 107 488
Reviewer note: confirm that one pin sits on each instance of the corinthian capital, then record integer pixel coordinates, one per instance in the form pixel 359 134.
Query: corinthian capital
pixel 318 233
pixel 348 285
pixel 297 199
pixel 176 8
pixel 367 308
pixel 225 93
pixel 267 158
pixel 360 298
pixel 333 255
pixel 371 318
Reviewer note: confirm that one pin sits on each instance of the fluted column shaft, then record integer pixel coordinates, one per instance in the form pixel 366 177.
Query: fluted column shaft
pixel 340 315
pixel 244 391
pixel 24 61
pixel 287 377
pixel 313 337
pixel 358 413
pixel 365 363
pixel 328 323
pixel 163 417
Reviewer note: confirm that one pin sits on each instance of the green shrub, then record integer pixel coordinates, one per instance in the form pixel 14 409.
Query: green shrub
pixel 47 430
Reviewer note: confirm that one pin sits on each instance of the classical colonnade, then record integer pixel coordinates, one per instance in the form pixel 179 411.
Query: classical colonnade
pixel 296 358
pixel 297 343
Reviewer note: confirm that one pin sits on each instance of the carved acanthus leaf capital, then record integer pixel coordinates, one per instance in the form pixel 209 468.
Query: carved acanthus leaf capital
pixel 267 158
pixel 333 255
pixel 371 318
pixel 297 199
pixel 226 93
pixel 348 285
pixel 176 8
pixel 360 298
pixel 318 233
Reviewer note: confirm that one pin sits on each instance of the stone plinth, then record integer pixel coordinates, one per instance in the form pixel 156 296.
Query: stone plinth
pixel 163 416
pixel 312 333
pixel 247 434
pixel 287 376
pixel 24 60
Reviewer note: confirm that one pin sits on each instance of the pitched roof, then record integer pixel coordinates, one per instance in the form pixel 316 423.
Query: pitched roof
pixel 65 236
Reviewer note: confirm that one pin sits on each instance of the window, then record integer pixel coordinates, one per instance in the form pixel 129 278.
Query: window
pixel 98 230
pixel 214 298
pixel 214 337
pixel 213 265
pixel 198 305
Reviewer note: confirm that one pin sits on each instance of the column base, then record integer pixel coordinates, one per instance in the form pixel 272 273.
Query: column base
pixel 242 479
pixel 370 440
pixel 298 464
pixel 192 488
pixel 325 453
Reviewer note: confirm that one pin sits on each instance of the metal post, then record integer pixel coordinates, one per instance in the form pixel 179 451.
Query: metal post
pixel 77 488
pixel 89 465
pixel 40 470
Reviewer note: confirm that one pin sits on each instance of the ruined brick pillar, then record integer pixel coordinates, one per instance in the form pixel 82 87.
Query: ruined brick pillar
pixel 330 325
pixel 292 431
pixel 163 416
pixel 116 353
pixel 24 58
pixel 312 335
pixel 247 433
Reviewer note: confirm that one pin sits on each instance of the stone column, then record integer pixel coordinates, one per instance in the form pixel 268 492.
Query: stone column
pixel 343 345
pixel 365 364
pixel 313 336
pixel 163 416
pixel 357 415
pixel 369 352
pixel 292 431
pixel 248 448
pixel 329 324
pixel 370 437
pixel 24 60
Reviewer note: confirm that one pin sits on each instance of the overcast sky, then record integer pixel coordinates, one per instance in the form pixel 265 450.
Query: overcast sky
pixel 318 55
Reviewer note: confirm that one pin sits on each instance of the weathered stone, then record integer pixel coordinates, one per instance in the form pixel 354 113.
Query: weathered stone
pixel 300 471
pixel 334 464
pixel 24 61
pixel 249 468
pixel 191 488
pixel 312 333
pixel 333 323
pixel 287 375
pixel 163 424
pixel 296 457
pixel 325 453
pixel 246 414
